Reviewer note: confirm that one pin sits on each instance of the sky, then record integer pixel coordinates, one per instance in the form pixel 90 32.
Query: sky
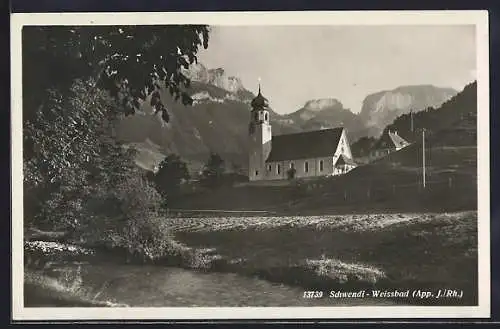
pixel 299 63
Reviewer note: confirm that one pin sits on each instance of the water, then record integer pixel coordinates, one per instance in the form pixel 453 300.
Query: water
pixel 156 286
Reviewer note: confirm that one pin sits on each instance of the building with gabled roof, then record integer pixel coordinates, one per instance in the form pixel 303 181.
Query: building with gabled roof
pixel 388 143
pixel 307 154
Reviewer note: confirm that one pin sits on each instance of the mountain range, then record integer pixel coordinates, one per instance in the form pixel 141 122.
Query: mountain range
pixel 381 108
pixel 218 119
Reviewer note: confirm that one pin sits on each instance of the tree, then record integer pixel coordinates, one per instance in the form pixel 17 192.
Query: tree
pixel 78 81
pixel 72 151
pixel 363 146
pixel 213 171
pixel 172 171
pixel 131 62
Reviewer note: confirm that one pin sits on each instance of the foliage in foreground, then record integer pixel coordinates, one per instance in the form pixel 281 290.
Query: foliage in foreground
pixel 80 179
pixel 77 82
pixel 127 216
pixel 131 62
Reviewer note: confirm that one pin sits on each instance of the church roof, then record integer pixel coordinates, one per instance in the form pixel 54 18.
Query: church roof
pixel 305 145
pixel 259 101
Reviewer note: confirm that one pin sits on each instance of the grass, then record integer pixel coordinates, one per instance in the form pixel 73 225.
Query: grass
pixel 345 252
pixel 392 184
pixel 420 251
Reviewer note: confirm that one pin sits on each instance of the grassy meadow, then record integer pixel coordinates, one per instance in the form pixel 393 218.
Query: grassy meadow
pixel 393 251
pixel 392 184
pixel 374 227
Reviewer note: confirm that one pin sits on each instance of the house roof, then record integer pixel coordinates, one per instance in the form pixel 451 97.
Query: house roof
pixel 305 145
pixel 390 140
pixel 342 160
pixel 397 140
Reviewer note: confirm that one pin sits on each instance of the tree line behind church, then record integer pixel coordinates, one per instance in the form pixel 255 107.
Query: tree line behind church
pixel 172 175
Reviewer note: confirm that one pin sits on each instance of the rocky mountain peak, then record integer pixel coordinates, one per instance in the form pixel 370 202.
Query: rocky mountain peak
pixel 316 105
pixel 381 108
pixel 216 77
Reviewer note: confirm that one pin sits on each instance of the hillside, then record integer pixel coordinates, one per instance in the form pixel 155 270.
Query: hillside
pixel 456 112
pixel 393 183
pixel 381 108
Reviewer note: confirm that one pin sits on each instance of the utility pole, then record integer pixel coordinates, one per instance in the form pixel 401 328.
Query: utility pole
pixel 411 120
pixel 423 157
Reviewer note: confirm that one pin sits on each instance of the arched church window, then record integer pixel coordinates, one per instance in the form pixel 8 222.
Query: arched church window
pixel 266 116
pixel 278 169
pixel 306 166
pixel 320 165
pixel 269 168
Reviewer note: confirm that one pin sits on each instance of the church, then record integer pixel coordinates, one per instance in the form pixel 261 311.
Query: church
pixel 307 154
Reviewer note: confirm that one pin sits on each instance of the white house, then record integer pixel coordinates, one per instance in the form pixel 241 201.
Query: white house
pixel 316 153
pixel 389 142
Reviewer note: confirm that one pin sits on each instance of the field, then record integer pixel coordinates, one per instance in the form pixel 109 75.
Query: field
pixel 393 251
pixel 391 184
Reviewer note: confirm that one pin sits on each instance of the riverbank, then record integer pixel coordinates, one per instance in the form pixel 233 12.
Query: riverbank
pixel 384 252
pixel 43 291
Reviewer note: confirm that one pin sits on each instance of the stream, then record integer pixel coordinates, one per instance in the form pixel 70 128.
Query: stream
pixel 157 286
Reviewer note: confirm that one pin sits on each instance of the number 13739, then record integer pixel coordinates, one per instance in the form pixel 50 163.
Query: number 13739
pixel 313 294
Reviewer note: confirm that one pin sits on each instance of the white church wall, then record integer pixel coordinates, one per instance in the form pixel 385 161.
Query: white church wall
pixel 274 170
pixel 315 169
pixel 260 149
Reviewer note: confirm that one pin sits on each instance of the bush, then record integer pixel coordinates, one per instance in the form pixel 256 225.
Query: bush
pixel 171 173
pixel 127 216
pixel 79 179
pixel 211 176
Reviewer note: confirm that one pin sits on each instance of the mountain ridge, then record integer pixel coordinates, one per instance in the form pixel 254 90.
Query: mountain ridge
pixel 218 121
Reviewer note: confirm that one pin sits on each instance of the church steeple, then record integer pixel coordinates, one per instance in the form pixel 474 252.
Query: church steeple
pixel 260 103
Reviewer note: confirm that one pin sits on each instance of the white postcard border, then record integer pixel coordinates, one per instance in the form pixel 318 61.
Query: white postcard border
pixel 478 18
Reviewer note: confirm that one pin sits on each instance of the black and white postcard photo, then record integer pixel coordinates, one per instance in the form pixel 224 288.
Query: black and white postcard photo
pixel 244 165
